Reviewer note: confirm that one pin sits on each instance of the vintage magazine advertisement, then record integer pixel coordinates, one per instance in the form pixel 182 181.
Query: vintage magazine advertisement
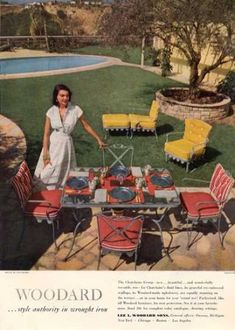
pixel 117 196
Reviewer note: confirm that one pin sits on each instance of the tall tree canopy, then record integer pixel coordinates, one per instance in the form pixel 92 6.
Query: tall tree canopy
pixel 192 25
pixel 187 25
pixel 128 21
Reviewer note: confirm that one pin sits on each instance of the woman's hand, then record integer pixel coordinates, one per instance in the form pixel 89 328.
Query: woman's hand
pixel 46 160
pixel 92 132
pixel 101 144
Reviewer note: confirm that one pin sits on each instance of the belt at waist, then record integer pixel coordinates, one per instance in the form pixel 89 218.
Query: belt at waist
pixel 61 132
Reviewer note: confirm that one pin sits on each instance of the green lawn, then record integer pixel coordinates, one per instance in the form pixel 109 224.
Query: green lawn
pixel 108 90
pixel 126 54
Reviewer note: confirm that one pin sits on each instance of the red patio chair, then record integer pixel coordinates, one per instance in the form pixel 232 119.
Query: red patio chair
pixel 41 205
pixel 202 207
pixel 119 233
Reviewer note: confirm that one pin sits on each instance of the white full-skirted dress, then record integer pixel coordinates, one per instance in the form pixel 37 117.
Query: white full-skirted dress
pixel 61 150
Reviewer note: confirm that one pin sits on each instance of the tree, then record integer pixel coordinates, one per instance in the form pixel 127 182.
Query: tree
pixel 191 26
pixel 40 18
pixel 129 22
pixel 187 25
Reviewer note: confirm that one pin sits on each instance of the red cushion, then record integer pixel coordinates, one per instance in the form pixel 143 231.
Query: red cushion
pixel 22 183
pixel 221 183
pixel 110 238
pixel 190 202
pixel 41 210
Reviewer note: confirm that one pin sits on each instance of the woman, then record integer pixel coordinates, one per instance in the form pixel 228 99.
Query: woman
pixel 58 154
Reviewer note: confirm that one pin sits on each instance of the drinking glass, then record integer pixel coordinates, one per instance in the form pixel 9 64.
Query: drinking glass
pixel 92 185
pixel 147 169
pixel 138 183
pixel 120 178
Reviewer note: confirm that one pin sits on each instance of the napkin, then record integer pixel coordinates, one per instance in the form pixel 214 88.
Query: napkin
pixel 168 194
pixel 136 171
pixel 79 173
pixel 100 195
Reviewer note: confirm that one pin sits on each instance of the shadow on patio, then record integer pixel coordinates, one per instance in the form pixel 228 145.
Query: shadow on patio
pixel 37 251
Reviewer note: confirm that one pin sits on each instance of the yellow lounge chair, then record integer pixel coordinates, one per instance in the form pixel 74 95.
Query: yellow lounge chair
pixel 115 122
pixel 145 123
pixel 192 145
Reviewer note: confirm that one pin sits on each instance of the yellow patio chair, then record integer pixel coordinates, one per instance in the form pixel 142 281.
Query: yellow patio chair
pixel 145 123
pixel 115 122
pixel 192 145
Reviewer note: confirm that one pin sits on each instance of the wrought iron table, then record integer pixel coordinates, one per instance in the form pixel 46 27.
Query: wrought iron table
pixel 148 196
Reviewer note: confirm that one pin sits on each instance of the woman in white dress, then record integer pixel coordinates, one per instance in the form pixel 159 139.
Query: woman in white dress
pixel 58 155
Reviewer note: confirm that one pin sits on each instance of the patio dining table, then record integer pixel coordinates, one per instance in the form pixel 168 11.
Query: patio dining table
pixel 119 188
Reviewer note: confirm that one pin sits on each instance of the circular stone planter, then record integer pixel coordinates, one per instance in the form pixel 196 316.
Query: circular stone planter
pixel 182 110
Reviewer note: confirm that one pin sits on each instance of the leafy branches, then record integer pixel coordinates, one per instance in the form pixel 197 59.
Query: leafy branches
pixel 188 25
pixel 191 26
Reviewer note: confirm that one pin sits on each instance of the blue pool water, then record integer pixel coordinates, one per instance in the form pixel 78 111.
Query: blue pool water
pixel 47 63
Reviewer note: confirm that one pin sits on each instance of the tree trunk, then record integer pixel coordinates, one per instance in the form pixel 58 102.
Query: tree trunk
pixel 142 51
pixel 194 80
pixel 46 36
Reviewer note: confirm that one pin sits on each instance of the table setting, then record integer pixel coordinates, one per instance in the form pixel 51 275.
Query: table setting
pixel 119 186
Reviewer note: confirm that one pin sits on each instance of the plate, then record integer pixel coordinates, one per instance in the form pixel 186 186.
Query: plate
pixel 122 194
pixel 119 170
pixel 161 181
pixel 78 182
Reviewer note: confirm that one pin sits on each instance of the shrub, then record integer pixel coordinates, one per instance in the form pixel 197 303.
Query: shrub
pixel 155 56
pixel 61 14
pixel 166 66
pixel 227 86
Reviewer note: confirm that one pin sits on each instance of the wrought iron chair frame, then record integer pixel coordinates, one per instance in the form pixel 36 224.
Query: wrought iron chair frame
pixel 215 220
pixel 192 157
pixel 119 231
pixel 39 219
pixel 118 158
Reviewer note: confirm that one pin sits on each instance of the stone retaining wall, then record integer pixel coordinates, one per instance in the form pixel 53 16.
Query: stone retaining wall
pixel 12 147
pixel 206 112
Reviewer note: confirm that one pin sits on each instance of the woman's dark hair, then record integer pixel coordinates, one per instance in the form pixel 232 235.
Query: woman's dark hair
pixel 56 90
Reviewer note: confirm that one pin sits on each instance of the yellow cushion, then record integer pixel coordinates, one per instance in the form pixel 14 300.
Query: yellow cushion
pixel 139 121
pixel 115 120
pixel 196 131
pixel 153 113
pixel 183 149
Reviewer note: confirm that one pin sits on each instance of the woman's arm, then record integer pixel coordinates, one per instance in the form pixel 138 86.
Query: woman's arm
pixel 46 138
pixel 91 131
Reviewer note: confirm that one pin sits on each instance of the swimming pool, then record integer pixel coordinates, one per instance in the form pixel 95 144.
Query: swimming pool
pixel 47 63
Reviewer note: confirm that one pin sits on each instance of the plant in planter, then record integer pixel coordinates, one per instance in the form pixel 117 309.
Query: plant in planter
pixel 227 86
pixel 190 26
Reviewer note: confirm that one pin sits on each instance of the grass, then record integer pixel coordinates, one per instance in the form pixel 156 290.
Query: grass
pixel 126 54
pixel 109 90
